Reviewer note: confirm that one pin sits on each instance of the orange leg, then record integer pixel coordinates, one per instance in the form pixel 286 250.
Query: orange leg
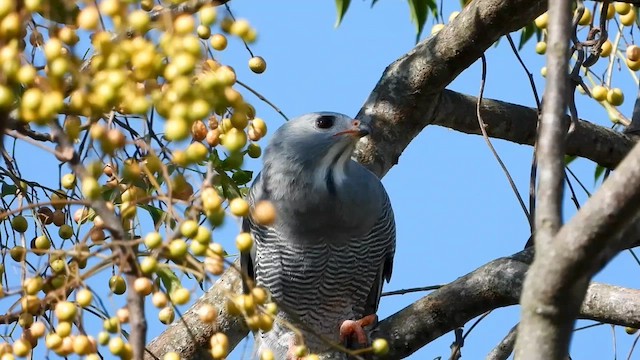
pixel 350 328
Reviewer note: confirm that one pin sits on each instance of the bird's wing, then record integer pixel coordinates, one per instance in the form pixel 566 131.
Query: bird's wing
pixel 383 234
pixel 247 259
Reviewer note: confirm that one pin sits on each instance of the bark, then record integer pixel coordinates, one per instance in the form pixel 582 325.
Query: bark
pixel 542 336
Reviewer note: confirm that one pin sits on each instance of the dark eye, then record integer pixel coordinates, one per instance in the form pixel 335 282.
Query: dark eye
pixel 325 121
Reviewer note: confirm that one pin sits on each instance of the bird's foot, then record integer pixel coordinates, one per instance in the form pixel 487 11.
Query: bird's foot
pixel 355 328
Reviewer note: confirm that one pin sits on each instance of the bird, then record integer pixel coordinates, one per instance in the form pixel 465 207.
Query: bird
pixel 331 247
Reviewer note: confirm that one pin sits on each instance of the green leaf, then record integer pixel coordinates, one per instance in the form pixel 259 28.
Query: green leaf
pixel 242 177
pixel 8 189
pixel 169 279
pixel 60 11
pixel 598 173
pixel 341 6
pixel 157 215
pixel 526 34
pixel 373 2
pixel 568 159
pixel 418 10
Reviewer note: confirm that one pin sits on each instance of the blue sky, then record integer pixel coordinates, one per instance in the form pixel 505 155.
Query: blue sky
pixel 454 209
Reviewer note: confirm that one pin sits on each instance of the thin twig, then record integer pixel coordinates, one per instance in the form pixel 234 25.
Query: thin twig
pixel 483 129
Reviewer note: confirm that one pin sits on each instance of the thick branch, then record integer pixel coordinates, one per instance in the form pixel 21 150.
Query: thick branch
pixel 496 284
pixel 190 336
pixel 541 336
pixel 517 124
pixel 405 99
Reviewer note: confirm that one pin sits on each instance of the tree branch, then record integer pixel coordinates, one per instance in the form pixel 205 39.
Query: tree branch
pixel 541 336
pixel 493 285
pixel 518 123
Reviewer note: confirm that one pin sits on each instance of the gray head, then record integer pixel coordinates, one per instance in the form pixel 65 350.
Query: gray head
pixel 318 142
pixel 308 174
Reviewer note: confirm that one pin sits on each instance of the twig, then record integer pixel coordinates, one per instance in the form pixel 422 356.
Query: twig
pixel 490 145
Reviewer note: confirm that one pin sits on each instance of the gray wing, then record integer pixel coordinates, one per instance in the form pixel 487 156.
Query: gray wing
pixel 247 259
pixel 382 234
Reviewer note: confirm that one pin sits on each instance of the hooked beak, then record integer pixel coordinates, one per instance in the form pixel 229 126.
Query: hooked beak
pixel 358 130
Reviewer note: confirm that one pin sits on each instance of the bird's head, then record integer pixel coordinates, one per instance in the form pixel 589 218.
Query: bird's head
pixel 321 143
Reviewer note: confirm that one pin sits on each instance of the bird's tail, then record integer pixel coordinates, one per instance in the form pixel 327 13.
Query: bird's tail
pixel 276 341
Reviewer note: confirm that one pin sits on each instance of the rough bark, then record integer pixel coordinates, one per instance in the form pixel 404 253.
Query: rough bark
pixel 541 336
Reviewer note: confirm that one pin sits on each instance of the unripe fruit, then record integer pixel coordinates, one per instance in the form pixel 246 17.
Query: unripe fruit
pixel 622 8
pixel 219 345
pixel 542 21
pixel 139 21
pixel 239 207
pixel 19 224
pixel 180 296
pixel 633 53
pixel 153 240
pixel 32 285
pixel 21 347
pixel 53 341
pixel 204 32
pixel 111 325
pixel 599 93
pixel 117 285
pixel 65 231
pixel 88 18
pixel 629 18
pixel 6 97
pixel 611 12
pixel 177 249
pixel 207 313
pixel 541 47
pixel 176 129
pixel 189 228
pixel 586 17
pixel 18 253
pixel 159 299
pixel 606 49
pixel 633 65
pixel 82 345
pixel 436 28
pixel 66 311
pixel 166 315
pixel 244 242
pixel 116 345
pixel 171 356
pixel 143 286
pixel 234 139
pixel 90 188
pixel 240 27
pixel 615 97
pixel 183 24
pixel 257 64
pixel 38 329
pixel 148 265
pixel 30 304
pixel 196 152
pixel 629 330
pixel 123 315
pixel 218 42
pixel 207 15
pixel 264 213
pixel 68 181
pixel 84 297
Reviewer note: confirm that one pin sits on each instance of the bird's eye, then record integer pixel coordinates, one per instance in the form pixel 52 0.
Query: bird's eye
pixel 325 121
